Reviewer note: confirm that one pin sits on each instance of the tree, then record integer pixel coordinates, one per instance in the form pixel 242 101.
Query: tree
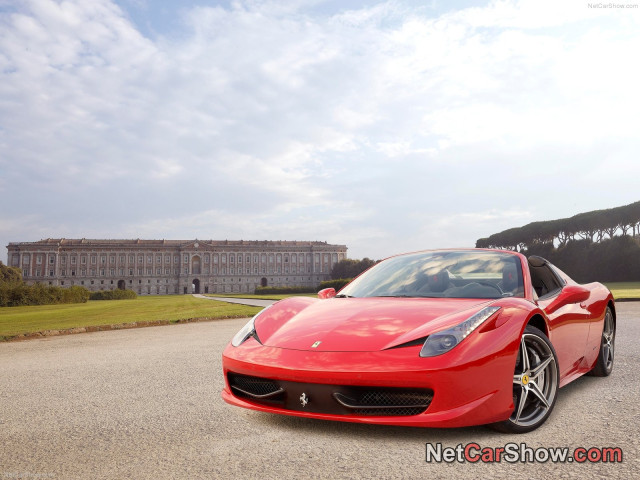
pixel 350 268
pixel 10 275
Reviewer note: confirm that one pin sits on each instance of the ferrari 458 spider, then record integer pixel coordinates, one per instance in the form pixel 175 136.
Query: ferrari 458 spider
pixel 443 338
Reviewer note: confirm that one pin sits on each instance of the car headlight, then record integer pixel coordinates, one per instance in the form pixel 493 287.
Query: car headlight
pixel 247 331
pixel 443 341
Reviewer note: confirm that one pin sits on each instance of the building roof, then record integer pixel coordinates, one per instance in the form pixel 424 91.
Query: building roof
pixel 152 243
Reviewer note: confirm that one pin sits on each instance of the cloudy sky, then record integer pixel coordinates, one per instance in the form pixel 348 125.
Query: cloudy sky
pixel 387 126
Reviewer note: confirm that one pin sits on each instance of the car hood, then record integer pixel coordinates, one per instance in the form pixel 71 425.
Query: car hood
pixel 359 324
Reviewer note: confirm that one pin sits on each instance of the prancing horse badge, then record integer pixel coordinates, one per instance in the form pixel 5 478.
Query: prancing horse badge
pixel 315 345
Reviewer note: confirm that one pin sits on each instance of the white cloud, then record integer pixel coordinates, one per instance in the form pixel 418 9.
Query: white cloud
pixel 281 120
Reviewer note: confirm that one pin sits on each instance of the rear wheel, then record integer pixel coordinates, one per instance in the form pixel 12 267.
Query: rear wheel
pixel 535 383
pixel 604 363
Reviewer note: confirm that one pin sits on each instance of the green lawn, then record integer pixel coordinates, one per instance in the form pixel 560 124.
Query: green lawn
pixel 18 320
pixel 624 289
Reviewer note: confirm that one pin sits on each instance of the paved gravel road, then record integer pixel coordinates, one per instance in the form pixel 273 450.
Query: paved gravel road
pixel 145 403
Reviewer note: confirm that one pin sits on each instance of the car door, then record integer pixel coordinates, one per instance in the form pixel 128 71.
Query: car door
pixel 568 321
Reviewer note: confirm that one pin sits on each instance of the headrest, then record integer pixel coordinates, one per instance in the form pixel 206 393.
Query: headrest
pixel 439 281
pixel 509 278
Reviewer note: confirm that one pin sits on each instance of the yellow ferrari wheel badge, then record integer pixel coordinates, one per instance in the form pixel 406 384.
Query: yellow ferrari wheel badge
pixel 525 379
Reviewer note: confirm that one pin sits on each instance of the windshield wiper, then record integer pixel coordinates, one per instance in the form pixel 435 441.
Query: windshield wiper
pixel 342 295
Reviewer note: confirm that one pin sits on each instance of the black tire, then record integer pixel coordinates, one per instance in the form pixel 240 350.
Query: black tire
pixel 604 362
pixel 535 383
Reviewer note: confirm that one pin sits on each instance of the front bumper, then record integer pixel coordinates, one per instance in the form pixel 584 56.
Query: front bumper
pixel 470 385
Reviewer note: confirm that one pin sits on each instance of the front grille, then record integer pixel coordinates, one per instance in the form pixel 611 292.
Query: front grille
pixel 255 388
pixel 331 399
pixel 388 402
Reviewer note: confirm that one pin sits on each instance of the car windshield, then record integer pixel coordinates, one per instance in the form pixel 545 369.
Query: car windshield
pixel 448 273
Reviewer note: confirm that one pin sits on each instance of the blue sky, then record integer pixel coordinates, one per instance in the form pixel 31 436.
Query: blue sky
pixel 386 126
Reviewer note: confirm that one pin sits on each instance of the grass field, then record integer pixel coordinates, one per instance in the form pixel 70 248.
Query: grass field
pixel 19 320
pixel 23 320
pixel 624 289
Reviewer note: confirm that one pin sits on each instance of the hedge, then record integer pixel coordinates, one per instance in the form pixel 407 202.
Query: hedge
pixel 117 294
pixel 38 294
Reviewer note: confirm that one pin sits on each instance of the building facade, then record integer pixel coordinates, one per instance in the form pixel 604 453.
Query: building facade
pixel 166 267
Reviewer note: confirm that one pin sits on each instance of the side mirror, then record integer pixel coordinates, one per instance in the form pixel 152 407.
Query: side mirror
pixel 569 294
pixel 326 293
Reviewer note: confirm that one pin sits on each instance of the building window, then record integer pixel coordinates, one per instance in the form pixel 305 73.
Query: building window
pixel 149 259
pixel 52 260
pixel 103 259
pixel 149 271
pixel 39 259
pixel 176 259
pixel 83 260
pixel 140 258
pixel 131 271
pixel 94 259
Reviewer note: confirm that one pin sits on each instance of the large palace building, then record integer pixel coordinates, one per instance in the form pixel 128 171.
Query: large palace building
pixel 161 267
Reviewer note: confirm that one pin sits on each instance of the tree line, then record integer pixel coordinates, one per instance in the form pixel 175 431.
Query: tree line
pixel 595 226
pixel 602 245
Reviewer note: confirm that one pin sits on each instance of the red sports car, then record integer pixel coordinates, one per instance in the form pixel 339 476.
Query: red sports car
pixel 445 338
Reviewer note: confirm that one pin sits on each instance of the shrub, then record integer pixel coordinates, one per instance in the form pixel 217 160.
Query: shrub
pixel 16 295
pixel 113 295
pixel 75 294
